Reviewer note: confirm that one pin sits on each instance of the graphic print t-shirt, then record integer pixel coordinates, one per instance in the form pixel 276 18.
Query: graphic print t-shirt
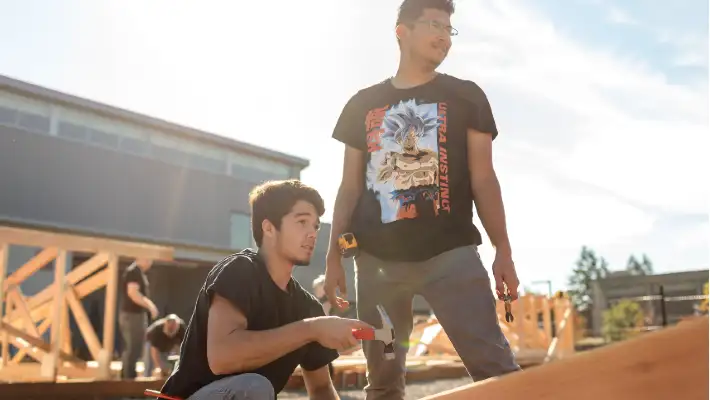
pixel 417 202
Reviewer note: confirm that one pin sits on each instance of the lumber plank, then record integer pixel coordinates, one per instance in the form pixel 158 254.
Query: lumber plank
pixel 87 244
pixel 40 344
pixel 656 366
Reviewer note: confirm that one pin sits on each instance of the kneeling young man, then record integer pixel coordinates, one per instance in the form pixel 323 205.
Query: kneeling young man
pixel 253 324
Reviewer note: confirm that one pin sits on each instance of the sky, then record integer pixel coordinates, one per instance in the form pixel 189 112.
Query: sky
pixel 602 106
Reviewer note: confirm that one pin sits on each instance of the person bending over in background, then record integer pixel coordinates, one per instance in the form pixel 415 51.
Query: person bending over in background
pixel 164 336
pixel 253 323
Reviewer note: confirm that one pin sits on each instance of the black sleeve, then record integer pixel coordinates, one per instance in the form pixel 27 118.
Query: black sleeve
pixel 133 275
pixel 481 116
pixel 316 355
pixel 235 281
pixel 350 128
pixel 151 332
pixel 180 333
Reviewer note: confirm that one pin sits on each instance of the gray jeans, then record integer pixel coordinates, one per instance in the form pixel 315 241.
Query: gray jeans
pixel 133 327
pixel 457 287
pixel 239 387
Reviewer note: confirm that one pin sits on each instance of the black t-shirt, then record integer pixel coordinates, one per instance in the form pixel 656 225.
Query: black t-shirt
pixel 157 338
pixel 243 279
pixel 133 274
pixel 417 201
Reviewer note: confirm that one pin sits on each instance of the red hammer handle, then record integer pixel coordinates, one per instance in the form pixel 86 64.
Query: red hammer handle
pixel 155 393
pixel 364 334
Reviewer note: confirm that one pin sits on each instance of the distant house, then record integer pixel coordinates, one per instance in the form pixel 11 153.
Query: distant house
pixel 680 287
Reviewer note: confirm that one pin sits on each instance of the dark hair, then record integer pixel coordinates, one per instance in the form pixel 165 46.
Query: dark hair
pixel 272 200
pixel 410 10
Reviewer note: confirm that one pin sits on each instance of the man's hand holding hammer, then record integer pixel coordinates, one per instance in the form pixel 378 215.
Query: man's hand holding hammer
pixel 342 333
pixel 335 332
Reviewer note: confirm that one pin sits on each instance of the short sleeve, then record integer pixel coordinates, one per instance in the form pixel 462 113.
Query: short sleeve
pixel 151 333
pixel 481 115
pixel 133 275
pixel 316 355
pixel 235 280
pixel 180 333
pixel 350 127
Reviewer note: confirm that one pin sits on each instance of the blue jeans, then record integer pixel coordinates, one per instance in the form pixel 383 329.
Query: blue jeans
pixel 239 387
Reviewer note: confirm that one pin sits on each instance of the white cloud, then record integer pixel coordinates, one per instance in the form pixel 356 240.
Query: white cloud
pixel 588 136
pixel 619 16
pixel 598 119
pixel 634 133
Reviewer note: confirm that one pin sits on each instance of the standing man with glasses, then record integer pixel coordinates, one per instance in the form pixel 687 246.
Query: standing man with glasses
pixel 418 156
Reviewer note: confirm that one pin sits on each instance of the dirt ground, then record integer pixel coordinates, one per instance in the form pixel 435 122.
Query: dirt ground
pixel 415 390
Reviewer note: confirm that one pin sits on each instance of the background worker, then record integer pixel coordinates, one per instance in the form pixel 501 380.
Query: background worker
pixel 132 319
pixel 164 336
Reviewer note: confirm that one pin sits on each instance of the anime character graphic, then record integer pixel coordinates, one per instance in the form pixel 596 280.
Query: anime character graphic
pixel 404 173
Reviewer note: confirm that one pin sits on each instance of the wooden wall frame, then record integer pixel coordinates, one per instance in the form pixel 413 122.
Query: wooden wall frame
pixel 26 319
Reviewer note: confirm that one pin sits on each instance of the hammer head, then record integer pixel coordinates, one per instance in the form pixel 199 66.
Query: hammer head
pixel 386 334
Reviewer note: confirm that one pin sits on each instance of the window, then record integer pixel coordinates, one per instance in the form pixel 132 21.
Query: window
pixel 240 231
pixel 242 166
pixel 24 112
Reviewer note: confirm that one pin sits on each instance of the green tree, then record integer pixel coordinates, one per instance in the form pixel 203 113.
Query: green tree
pixel 588 268
pixel 622 321
pixel 636 267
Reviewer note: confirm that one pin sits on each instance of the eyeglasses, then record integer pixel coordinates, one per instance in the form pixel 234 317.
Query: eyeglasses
pixel 438 26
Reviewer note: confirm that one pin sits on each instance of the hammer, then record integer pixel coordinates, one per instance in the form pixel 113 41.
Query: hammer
pixel 384 335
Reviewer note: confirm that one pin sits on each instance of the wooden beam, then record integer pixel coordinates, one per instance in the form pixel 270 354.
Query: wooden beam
pixel 655 366
pixel 41 345
pixel 51 363
pixel 36 238
pixel 20 305
pixel 84 324
pixel 30 267
pixel 83 289
pixel 24 350
pixel 110 307
pixel 74 276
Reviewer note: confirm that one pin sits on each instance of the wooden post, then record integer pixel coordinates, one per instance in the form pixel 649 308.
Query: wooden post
pixel 569 333
pixel 4 250
pixel 519 322
pixel 110 307
pixel 51 361
pixel 547 320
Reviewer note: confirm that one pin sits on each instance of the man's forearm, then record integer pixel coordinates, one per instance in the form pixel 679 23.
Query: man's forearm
pixel 155 355
pixel 146 303
pixel 141 300
pixel 244 350
pixel 489 205
pixel 345 203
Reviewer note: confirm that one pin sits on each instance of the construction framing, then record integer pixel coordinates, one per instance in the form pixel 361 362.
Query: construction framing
pixel 531 341
pixel 26 319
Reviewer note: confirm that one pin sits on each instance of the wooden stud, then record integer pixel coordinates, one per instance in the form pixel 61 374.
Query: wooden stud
pixel 24 350
pixel 51 360
pixel 36 263
pixel 84 324
pixel 109 318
